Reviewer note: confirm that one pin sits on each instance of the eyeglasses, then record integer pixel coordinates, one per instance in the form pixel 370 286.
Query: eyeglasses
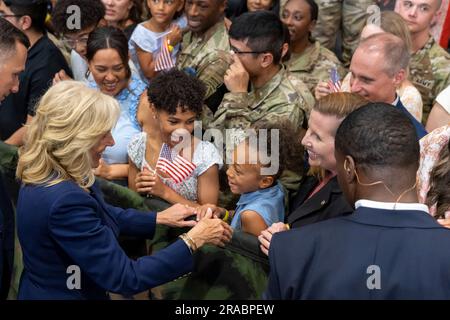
pixel 237 51
pixel 72 43
pixel 4 15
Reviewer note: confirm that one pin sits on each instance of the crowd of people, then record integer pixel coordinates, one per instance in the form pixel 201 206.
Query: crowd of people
pixel 319 130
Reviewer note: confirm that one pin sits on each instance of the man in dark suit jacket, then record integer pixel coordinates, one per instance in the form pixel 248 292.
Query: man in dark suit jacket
pixel 13 54
pixel 390 247
pixel 378 67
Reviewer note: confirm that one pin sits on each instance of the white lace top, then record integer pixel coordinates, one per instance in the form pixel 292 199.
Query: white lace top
pixel 205 155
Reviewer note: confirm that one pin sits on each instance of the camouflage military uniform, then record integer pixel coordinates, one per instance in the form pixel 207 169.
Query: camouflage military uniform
pixel 430 73
pixel 284 97
pixel 205 55
pixel 314 65
pixel 350 14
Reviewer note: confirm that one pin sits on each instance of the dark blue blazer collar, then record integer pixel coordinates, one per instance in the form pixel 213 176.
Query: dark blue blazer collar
pixel 394 218
pixel 302 206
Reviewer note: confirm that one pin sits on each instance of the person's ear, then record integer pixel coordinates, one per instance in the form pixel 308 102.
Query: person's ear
pixel 284 49
pixel 267 60
pixel 153 109
pixel 348 180
pixel 25 22
pixel 312 25
pixel 266 182
pixel 436 18
pixel 349 170
pixel 223 6
pixel 399 77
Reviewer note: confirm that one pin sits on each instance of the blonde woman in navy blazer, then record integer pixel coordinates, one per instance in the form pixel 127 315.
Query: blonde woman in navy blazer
pixel 67 232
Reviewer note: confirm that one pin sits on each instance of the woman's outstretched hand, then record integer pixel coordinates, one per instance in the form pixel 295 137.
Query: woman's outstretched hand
pixel 211 230
pixel 175 216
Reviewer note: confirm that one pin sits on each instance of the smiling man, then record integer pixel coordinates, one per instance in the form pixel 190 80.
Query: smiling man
pixel 13 54
pixel 378 67
pixel 430 64
pixel 205 49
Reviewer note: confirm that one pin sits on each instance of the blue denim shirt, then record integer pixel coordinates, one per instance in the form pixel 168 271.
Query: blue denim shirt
pixel 268 203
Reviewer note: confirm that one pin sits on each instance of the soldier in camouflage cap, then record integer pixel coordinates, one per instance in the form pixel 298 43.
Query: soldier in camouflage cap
pixel 430 64
pixel 275 95
pixel 309 60
pixel 205 48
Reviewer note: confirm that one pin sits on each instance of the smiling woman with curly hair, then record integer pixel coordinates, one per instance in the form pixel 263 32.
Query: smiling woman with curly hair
pixel 176 102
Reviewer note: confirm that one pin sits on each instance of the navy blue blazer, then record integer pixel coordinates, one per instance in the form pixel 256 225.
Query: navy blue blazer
pixel 420 129
pixel 330 259
pixel 63 225
pixel 6 240
pixel 327 203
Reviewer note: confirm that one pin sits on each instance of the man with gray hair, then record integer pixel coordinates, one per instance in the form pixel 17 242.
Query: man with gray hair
pixel 13 54
pixel 379 65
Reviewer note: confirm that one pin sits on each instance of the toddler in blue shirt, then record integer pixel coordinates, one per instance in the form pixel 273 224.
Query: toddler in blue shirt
pixel 262 197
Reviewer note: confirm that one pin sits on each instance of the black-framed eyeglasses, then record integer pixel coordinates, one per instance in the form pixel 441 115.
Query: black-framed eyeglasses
pixel 237 51
pixel 72 43
pixel 4 15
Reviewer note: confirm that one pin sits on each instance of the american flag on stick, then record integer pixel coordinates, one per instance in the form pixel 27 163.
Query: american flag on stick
pixel 335 82
pixel 164 60
pixel 171 163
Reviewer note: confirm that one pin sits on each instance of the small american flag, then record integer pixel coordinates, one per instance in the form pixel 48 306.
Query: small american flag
pixel 334 83
pixel 169 162
pixel 164 60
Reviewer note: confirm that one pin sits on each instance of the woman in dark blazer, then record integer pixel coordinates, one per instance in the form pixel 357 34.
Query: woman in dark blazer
pixel 319 197
pixel 6 240
pixel 67 232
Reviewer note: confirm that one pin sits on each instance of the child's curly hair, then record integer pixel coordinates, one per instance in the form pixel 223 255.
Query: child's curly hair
pixel 440 184
pixel 174 88
pixel 290 149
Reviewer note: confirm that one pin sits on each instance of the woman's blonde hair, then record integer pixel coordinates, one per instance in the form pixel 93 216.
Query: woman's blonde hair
pixel 340 105
pixel 70 119
pixel 392 22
